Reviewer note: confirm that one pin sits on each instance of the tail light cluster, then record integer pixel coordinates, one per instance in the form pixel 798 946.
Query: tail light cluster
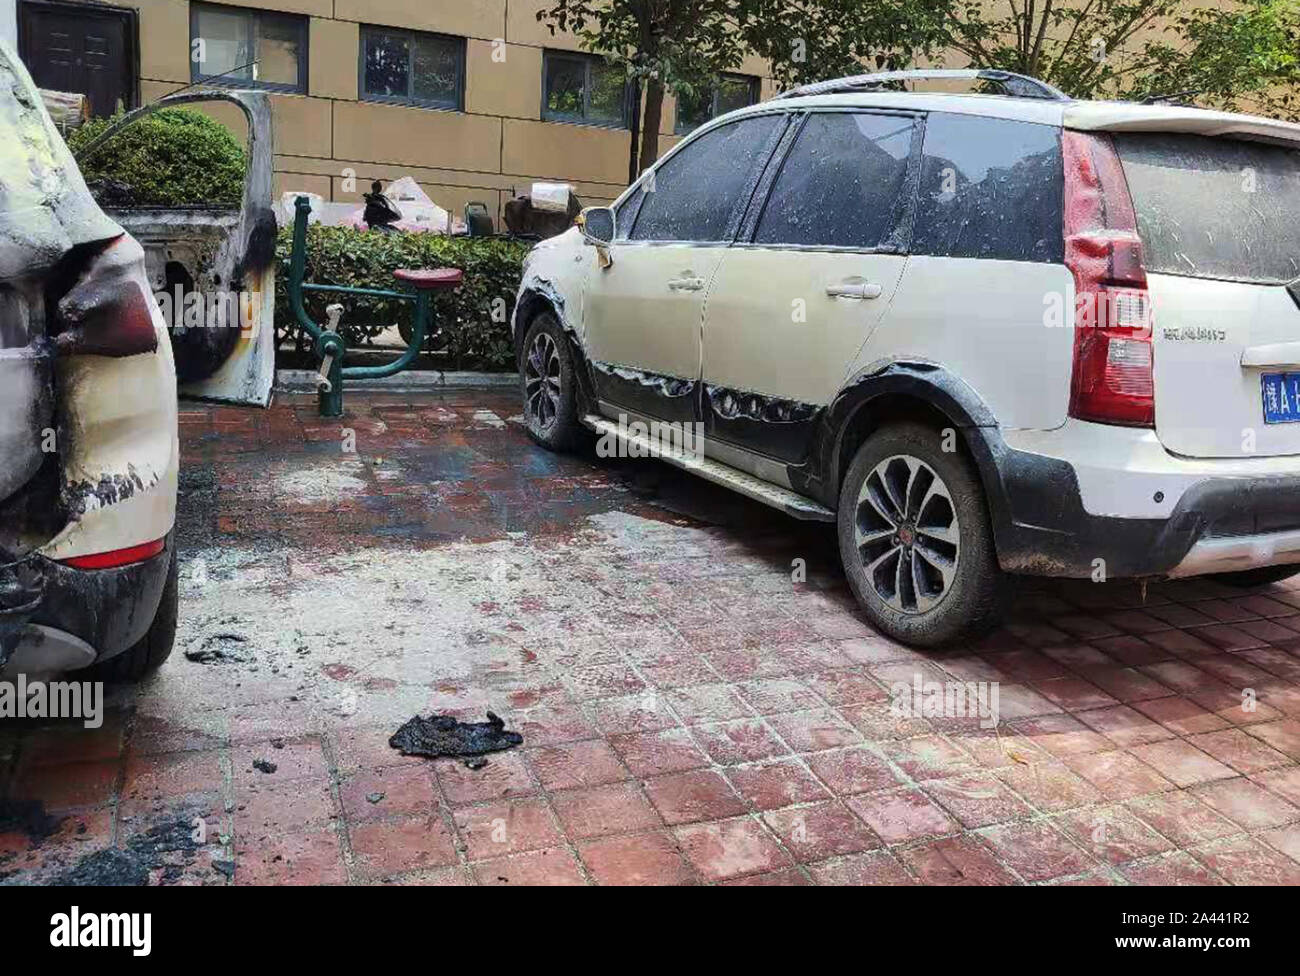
pixel 108 309
pixel 1113 381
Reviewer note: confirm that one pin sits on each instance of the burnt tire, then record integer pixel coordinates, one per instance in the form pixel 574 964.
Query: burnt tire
pixel 549 384
pixel 1262 576
pixel 146 655
pixel 916 540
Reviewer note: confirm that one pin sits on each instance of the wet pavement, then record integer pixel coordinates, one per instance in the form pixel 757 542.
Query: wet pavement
pixel 690 713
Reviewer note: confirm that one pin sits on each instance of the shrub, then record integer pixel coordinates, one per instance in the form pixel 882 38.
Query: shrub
pixel 473 322
pixel 173 158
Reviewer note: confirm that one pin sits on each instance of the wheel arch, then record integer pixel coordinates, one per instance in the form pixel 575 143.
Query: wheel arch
pixel 903 390
pixel 538 296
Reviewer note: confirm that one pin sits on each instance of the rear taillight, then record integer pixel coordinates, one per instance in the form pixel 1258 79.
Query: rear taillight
pixel 109 309
pixel 116 557
pixel 1113 381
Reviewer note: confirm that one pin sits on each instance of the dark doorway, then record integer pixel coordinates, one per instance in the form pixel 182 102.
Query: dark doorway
pixel 81 47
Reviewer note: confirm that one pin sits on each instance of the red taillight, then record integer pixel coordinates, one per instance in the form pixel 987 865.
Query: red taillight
pixel 1113 380
pixel 117 557
pixel 108 311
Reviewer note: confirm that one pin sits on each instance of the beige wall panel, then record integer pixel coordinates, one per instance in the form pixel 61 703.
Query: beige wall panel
pixel 565 152
pixel 522 27
pixel 332 64
pixel 512 87
pixel 466 18
pixel 416 137
pixel 296 182
pixel 164 39
pixel 302 125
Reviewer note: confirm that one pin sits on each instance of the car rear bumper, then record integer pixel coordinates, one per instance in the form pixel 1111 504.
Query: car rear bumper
pixel 99 612
pixel 1092 501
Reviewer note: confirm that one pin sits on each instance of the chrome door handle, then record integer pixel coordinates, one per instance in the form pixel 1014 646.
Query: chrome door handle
pixel 859 292
pixel 685 284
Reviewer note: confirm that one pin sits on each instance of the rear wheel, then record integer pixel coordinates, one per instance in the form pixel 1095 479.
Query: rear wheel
pixel 550 386
pixel 916 541
pixel 1257 577
pixel 146 655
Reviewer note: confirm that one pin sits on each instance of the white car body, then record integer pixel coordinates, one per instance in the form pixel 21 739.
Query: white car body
pixel 1206 487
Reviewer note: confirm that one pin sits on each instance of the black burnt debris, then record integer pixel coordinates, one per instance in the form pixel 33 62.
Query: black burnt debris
pixel 444 735
pixel 159 855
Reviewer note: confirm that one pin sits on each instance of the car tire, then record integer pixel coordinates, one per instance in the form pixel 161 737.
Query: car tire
pixel 905 502
pixel 549 384
pixel 1262 576
pixel 146 655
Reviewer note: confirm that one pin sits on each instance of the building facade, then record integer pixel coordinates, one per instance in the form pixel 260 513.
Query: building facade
pixel 474 98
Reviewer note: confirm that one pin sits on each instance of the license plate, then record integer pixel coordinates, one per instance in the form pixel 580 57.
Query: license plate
pixel 1281 394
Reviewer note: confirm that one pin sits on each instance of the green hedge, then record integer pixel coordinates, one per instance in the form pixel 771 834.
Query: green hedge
pixel 173 158
pixel 473 322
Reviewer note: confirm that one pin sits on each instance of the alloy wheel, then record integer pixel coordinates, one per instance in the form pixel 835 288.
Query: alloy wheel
pixel 542 382
pixel 907 534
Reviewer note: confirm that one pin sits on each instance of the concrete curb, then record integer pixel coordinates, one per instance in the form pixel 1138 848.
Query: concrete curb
pixel 411 381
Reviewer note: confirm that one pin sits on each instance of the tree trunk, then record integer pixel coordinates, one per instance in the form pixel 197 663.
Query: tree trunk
pixel 654 110
pixel 633 170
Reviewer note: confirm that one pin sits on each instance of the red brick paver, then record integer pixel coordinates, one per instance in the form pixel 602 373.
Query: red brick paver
pixel 690 714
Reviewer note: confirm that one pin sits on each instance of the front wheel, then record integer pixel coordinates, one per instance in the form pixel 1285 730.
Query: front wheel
pixel 550 386
pixel 916 540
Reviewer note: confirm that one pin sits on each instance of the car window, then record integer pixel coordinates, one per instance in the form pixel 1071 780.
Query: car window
pixel 1215 208
pixel 843 184
pixel 625 214
pixel 990 188
pixel 699 189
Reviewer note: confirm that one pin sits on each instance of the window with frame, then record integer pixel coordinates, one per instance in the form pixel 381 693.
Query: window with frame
pixel 697 194
pixel 241 47
pixel 731 92
pixel 412 68
pixel 844 184
pixel 990 188
pixel 583 88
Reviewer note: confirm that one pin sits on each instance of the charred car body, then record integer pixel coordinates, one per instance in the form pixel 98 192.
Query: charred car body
pixel 88 443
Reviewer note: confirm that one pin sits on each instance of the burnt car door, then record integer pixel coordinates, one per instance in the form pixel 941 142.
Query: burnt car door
pixel 215 265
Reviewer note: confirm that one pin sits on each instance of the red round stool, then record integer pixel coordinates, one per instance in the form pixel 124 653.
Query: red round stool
pixel 430 279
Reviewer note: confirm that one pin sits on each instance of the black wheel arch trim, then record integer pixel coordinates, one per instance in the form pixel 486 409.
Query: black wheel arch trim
pixel 1035 506
pixel 541 295
pixel 1034 503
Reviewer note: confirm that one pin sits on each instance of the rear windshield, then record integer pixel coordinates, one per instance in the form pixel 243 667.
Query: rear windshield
pixel 1215 208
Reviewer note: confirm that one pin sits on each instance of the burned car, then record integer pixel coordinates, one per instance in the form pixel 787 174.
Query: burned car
pixel 88 437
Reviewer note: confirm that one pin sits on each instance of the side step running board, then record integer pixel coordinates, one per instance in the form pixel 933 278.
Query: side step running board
pixel 790 502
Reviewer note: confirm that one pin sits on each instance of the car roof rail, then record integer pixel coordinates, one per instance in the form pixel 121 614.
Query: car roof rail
pixel 1018 86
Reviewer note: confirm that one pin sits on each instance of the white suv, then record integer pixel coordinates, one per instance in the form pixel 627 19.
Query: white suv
pixel 985 334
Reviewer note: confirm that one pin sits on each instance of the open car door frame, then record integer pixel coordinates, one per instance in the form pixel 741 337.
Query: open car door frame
pixel 226 256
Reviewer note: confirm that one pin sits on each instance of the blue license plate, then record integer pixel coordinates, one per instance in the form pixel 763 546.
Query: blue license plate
pixel 1281 394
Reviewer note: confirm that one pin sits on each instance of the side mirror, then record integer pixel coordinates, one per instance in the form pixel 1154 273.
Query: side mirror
pixel 597 225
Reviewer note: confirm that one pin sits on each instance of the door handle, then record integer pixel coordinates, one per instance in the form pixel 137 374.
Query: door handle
pixel 858 292
pixel 685 284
